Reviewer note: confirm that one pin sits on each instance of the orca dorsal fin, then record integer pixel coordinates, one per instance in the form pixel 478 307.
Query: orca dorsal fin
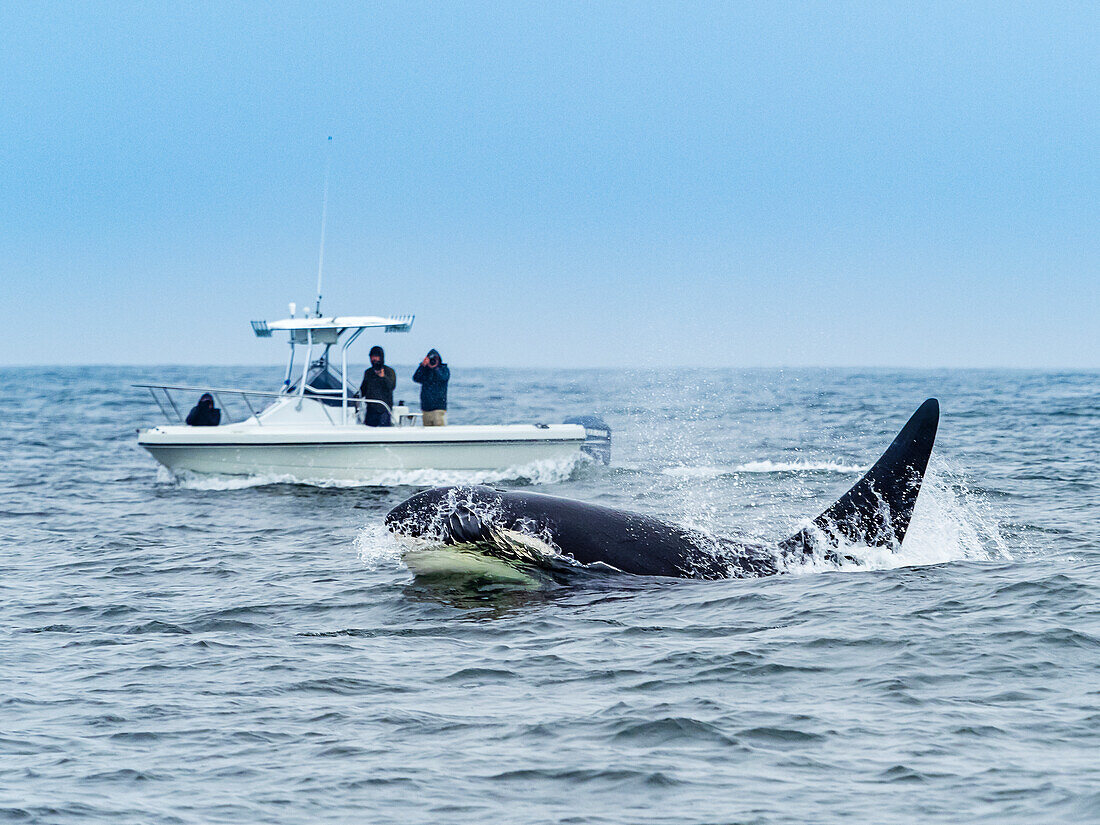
pixel 877 510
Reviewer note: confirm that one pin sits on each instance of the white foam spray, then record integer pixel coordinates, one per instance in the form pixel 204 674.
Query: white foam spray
pixel 376 547
pixel 950 523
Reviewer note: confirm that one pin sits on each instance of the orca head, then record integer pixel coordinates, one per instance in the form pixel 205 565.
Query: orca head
pixel 452 515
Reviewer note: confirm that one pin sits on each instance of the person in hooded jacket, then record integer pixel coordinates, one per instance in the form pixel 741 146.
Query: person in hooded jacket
pixel 432 375
pixel 378 384
pixel 204 414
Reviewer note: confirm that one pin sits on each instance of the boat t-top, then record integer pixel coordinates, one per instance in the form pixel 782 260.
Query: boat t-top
pixel 310 430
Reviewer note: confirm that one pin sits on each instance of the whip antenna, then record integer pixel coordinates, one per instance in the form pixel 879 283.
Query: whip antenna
pixel 324 215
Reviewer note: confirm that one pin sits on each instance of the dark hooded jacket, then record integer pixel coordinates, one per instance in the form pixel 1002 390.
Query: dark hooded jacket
pixel 204 414
pixel 433 384
pixel 378 387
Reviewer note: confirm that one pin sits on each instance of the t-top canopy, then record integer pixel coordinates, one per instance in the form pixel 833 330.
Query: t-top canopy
pixel 327 330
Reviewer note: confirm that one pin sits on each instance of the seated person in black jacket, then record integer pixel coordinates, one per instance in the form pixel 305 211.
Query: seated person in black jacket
pixel 204 414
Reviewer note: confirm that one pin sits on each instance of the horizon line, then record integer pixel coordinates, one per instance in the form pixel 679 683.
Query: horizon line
pixel 593 367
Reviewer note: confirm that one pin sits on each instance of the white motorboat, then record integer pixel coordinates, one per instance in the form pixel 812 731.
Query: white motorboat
pixel 310 431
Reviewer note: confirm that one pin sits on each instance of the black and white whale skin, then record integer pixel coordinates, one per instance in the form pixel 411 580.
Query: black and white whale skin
pixel 507 524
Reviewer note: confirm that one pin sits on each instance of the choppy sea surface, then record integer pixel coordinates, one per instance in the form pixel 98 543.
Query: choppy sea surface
pixel 219 650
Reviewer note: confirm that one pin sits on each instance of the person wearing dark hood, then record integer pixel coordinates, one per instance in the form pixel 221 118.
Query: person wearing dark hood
pixel 204 414
pixel 378 384
pixel 432 375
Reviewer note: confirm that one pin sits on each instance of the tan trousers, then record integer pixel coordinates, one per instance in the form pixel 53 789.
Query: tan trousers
pixel 435 418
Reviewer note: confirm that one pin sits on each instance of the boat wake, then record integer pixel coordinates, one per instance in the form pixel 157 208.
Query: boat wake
pixel 550 471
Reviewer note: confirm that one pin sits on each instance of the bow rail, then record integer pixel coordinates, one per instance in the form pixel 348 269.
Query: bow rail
pixel 162 394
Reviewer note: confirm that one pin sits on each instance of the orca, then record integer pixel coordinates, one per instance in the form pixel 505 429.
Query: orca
pixel 512 527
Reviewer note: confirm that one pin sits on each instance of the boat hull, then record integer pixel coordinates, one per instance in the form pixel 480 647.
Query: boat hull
pixel 352 454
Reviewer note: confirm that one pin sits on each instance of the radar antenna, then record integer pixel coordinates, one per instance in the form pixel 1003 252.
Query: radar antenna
pixel 324 215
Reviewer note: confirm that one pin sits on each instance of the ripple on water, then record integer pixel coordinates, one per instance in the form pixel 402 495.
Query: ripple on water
pixel 262 654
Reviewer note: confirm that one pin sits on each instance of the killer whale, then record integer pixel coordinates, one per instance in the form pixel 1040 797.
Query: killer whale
pixel 514 525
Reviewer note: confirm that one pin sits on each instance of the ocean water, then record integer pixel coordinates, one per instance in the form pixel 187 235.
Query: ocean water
pixel 197 650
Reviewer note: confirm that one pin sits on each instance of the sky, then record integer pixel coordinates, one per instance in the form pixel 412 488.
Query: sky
pixel 555 184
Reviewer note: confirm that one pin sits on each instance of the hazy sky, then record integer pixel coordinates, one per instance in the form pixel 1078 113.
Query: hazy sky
pixel 555 183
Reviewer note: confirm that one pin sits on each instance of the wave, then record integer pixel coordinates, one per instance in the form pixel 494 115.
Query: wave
pixel 763 466
pixel 549 471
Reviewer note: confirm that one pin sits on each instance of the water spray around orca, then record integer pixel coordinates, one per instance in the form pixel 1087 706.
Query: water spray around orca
pixel 513 529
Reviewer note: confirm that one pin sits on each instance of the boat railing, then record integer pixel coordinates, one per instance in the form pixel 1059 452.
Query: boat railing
pixel 175 414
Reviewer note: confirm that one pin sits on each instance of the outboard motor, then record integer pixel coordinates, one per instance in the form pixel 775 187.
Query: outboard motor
pixel 597 436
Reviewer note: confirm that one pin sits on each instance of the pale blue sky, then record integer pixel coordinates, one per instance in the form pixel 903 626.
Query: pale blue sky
pixel 556 184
